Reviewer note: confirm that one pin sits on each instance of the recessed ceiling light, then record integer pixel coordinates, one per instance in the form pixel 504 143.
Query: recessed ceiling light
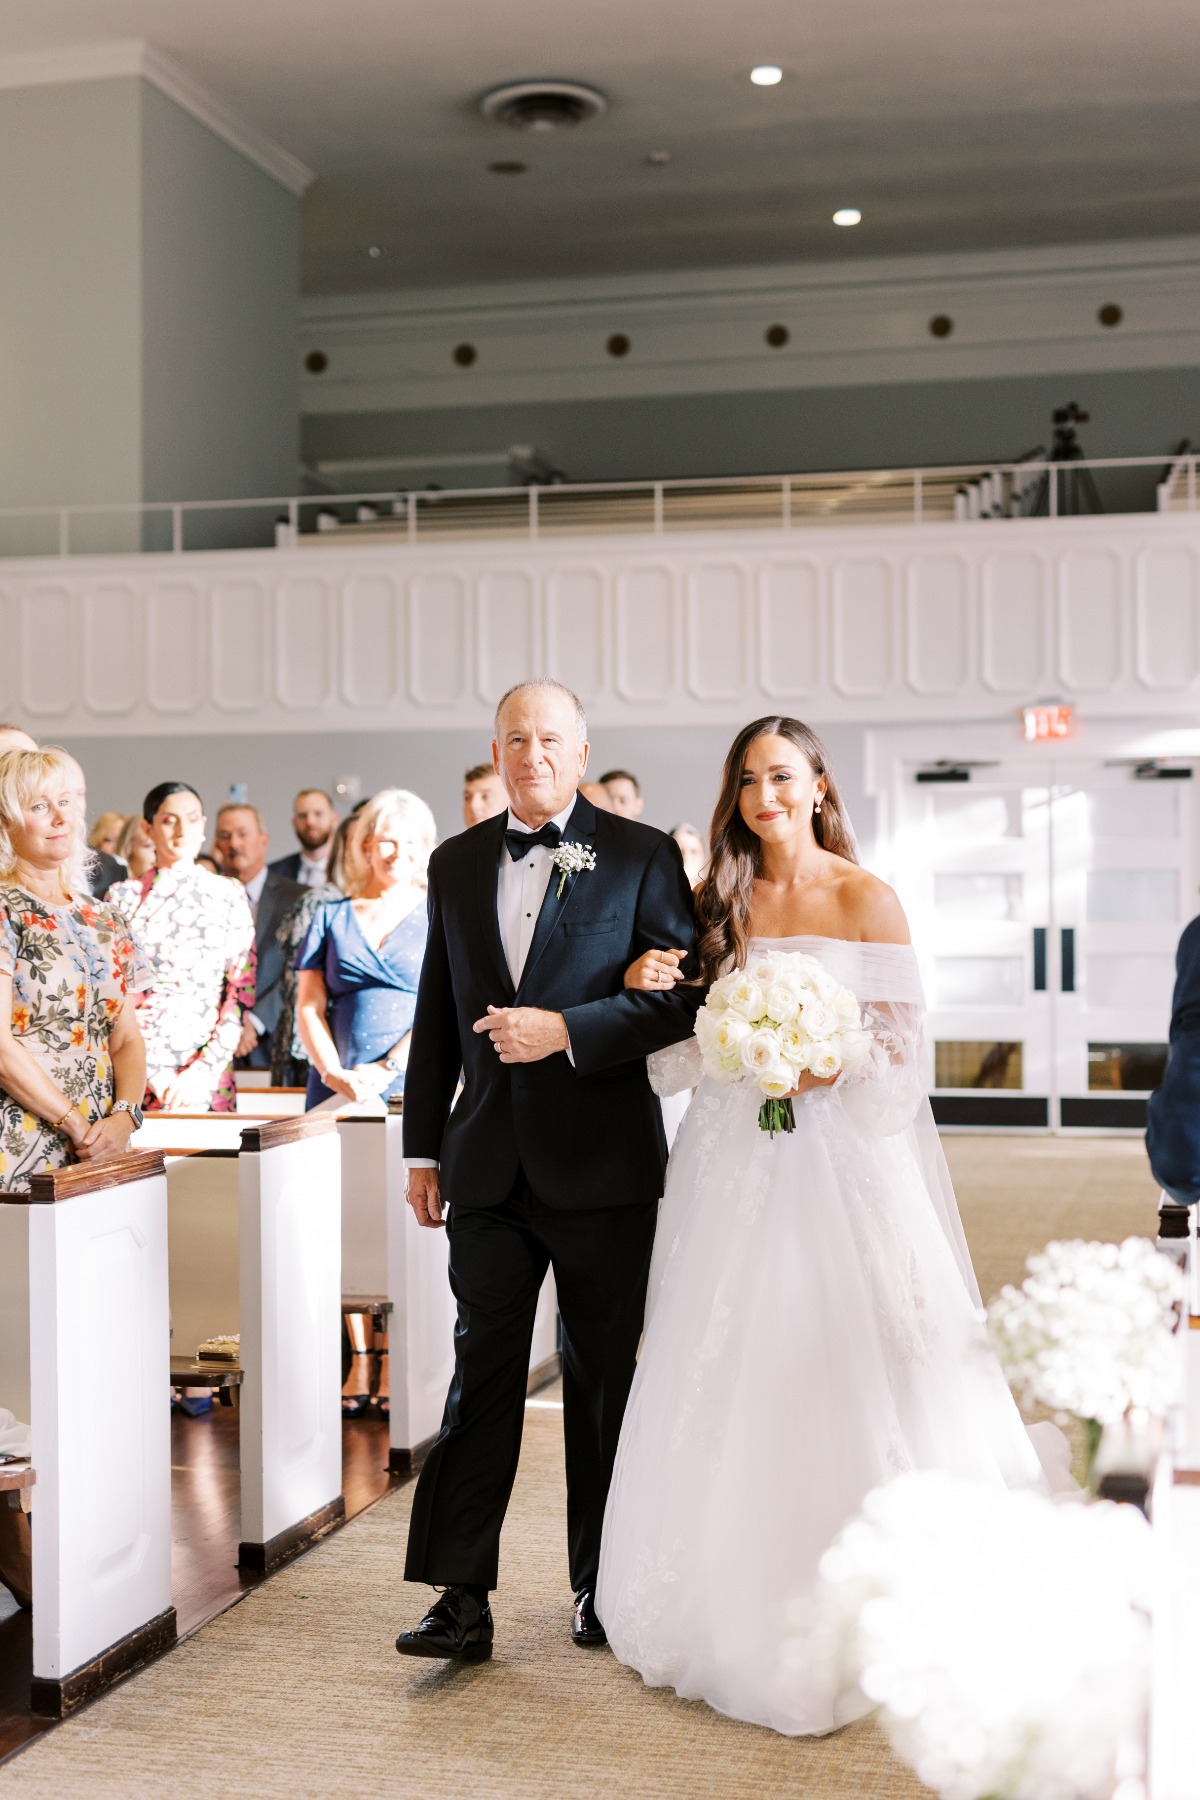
pixel 766 75
pixel 847 215
pixel 543 105
pixel 658 157
pixel 375 251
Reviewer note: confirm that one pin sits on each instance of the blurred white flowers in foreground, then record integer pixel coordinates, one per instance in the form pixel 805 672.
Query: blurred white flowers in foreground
pixel 1004 1639
pixel 1089 1331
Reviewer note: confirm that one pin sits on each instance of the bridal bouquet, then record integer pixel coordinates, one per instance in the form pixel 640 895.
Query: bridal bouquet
pixel 1004 1639
pixel 1090 1330
pixel 780 1017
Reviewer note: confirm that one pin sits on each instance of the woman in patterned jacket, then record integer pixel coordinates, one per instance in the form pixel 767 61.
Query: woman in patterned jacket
pixel 72 1063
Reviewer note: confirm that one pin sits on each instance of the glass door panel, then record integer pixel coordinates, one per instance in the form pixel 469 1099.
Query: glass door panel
pixel 971 863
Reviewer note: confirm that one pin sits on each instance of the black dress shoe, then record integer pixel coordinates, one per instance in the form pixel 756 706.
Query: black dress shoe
pixel 458 1625
pixel 586 1628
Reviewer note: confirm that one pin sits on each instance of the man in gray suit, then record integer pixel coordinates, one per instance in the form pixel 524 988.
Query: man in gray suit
pixel 241 843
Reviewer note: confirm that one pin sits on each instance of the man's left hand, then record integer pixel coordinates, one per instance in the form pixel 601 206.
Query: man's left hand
pixel 523 1034
pixel 247 1040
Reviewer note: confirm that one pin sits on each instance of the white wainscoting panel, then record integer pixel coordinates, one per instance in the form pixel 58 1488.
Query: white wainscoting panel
pixel 239 646
pixel 177 678
pixel 437 639
pixel 1013 620
pixel 1091 620
pixel 865 624
pixel 1167 618
pixel 718 632
pixel 645 627
pixel 863 628
pixel 372 631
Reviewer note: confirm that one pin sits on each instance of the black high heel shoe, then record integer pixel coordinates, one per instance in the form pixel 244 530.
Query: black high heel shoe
pixel 355 1405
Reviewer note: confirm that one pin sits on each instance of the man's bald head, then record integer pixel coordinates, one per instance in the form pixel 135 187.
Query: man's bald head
pixel 13 738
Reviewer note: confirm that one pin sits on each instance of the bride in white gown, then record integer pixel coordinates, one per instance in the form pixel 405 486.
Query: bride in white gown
pixel 812 1322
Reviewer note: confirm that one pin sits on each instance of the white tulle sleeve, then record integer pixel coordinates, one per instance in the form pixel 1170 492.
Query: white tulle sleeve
pixel 675 1069
pixel 884 1095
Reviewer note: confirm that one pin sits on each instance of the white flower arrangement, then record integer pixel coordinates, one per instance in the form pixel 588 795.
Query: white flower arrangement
pixel 568 859
pixel 1004 1639
pixel 782 1016
pixel 1090 1330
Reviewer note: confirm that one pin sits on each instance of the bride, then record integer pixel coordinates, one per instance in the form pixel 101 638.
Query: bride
pixel 811 1329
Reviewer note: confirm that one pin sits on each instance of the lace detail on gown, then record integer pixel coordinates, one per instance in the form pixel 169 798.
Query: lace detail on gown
pixel 811 1331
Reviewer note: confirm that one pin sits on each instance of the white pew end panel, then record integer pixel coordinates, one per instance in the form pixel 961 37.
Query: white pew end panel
pixel 91 1244
pixel 290 1257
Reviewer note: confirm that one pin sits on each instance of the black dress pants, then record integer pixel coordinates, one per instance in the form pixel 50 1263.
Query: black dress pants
pixel 498 1261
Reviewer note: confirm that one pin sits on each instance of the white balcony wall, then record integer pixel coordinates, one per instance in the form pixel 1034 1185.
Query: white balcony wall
pixel 864 625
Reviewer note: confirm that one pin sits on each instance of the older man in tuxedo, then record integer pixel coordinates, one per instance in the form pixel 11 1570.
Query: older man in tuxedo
pixel 552 1156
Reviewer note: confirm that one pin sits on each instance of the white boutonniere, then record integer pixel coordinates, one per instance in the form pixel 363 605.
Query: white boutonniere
pixel 569 859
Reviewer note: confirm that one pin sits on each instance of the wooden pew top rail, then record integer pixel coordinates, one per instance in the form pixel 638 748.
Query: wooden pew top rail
pixel 268 1134
pixel 49 1185
pixel 15 1477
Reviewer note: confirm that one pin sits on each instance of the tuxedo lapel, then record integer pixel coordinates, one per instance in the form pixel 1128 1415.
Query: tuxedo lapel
pixel 487 867
pixel 580 829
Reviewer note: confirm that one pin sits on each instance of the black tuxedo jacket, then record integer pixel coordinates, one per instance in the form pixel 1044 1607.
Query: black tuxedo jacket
pixel 287 866
pixel 588 1135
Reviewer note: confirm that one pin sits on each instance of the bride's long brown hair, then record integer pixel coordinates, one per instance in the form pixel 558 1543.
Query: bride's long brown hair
pixel 735 852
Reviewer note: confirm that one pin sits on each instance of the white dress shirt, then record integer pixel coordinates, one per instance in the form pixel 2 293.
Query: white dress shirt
pixel 313 870
pixel 520 891
pixel 254 888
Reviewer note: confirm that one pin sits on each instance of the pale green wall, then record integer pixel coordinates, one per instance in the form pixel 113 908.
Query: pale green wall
pixel 70 293
pixel 890 425
pixel 220 287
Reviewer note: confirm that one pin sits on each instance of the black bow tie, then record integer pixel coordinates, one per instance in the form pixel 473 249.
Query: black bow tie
pixel 521 842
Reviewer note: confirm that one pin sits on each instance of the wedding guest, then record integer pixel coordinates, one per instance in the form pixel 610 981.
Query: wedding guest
pixel 1173 1110
pixel 289 1058
pixel 241 843
pixel 206 860
pixel 136 848
pixel 196 930
pixel 693 850
pixel 361 961
pixel 597 793
pixel 624 794
pixel 314 822
pixel 72 1063
pixel 106 832
pixel 13 738
pixel 16 1543
pixel 102 870
pixel 483 794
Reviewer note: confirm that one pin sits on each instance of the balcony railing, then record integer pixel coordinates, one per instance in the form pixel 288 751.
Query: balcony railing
pixel 991 492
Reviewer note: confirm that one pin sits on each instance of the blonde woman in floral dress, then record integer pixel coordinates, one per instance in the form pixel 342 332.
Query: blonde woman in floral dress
pixel 197 932
pixel 72 1064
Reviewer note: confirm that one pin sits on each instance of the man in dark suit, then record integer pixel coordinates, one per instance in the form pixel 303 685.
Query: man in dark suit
pixel 1173 1110
pixel 241 843
pixel 314 822
pixel 553 1156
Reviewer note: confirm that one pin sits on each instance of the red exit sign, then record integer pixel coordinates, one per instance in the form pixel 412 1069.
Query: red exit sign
pixel 1038 723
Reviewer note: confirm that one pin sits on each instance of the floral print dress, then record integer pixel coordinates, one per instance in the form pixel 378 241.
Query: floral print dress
pixel 197 932
pixel 71 965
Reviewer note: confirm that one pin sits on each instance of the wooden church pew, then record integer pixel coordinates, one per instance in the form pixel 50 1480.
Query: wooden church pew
pixel 83 1303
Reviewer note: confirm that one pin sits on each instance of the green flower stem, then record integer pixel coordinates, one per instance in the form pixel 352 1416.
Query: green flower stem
pixel 776 1115
pixel 1095 1431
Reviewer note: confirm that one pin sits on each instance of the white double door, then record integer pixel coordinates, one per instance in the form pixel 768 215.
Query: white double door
pixel 1046 895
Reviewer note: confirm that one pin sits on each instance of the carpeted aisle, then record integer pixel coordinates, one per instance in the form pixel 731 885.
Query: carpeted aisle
pixel 298 1692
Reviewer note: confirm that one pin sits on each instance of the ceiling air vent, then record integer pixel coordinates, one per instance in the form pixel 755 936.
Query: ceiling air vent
pixel 542 105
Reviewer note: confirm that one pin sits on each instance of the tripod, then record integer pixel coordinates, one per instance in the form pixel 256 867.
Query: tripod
pixel 1076 490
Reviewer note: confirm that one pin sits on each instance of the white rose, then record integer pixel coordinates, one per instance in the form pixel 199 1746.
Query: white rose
pixel 846 1007
pixel 707 1026
pixel 730 1034
pixel 745 999
pixel 776 1081
pixel 823 1059
pixel 783 1002
pixel 760 1050
pixel 818 1019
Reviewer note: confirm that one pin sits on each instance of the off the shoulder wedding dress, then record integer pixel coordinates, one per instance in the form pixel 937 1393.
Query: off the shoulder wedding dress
pixel 812 1331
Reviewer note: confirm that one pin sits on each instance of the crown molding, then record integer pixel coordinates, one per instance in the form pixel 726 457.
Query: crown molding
pixel 850 323
pixel 100 62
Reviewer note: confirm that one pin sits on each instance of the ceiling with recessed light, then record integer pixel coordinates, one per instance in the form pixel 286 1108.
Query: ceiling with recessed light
pixel 949 126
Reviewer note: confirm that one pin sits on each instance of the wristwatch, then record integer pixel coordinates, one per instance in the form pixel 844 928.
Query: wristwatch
pixel 393 1065
pixel 132 1108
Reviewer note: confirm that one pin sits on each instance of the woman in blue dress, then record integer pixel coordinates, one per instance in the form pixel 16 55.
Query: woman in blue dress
pixel 359 966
